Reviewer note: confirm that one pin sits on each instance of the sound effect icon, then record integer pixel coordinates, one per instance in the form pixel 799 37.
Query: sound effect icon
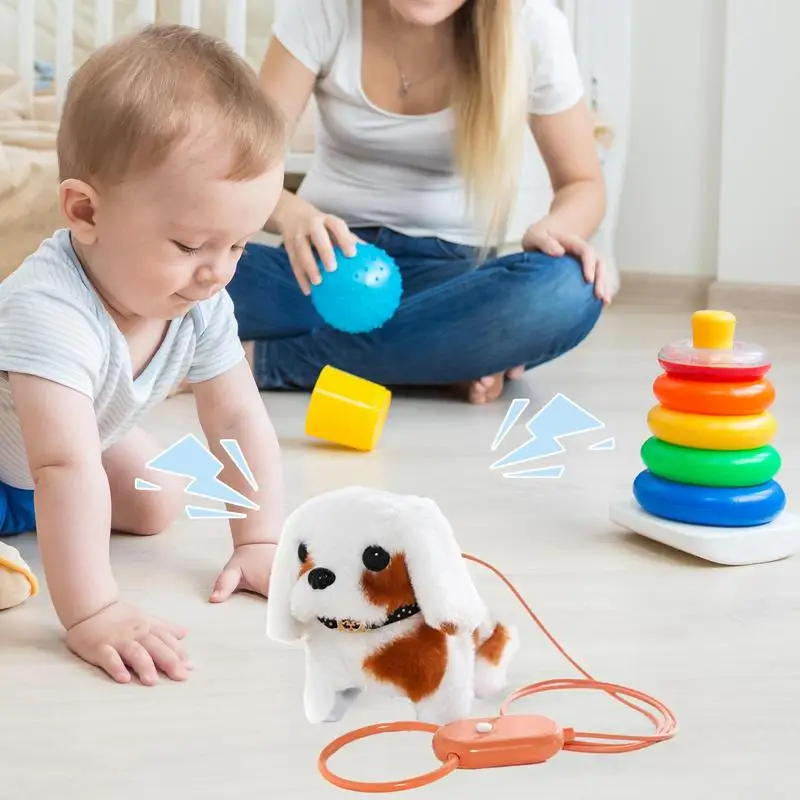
pixel 556 420
pixel 190 458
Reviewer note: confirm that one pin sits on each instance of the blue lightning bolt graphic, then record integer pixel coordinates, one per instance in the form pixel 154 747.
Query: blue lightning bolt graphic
pixel 606 444
pixel 145 486
pixel 542 472
pixel 234 450
pixel 561 417
pixel 189 458
pixel 199 512
pixel 512 415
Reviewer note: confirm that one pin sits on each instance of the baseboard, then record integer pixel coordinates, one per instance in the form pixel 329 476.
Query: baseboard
pixel 691 292
pixel 678 292
pixel 743 297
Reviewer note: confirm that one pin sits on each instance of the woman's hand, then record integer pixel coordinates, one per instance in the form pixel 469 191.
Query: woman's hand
pixel 538 237
pixel 304 227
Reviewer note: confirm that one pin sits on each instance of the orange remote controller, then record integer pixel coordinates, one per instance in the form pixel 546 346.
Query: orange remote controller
pixel 505 741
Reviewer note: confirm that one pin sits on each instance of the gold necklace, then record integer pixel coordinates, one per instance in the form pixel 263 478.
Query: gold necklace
pixel 405 82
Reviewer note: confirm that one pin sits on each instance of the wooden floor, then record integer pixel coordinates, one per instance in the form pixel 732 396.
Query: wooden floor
pixel 721 646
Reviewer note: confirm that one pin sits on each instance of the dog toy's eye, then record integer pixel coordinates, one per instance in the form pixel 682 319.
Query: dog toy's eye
pixel 302 553
pixel 376 559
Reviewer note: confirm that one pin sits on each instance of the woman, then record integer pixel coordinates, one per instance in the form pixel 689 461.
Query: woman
pixel 424 107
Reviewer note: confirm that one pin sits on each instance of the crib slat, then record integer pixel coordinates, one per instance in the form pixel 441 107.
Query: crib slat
pixel 146 11
pixel 26 36
pixel 103 22
pixel 65 43
pixel 236 25
pixel 190 13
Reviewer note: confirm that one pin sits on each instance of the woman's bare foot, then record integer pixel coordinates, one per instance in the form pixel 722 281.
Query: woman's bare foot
pixel 489 388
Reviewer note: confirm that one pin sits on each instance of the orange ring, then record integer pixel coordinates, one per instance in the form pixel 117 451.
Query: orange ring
pixel 448 766
pixel 728 399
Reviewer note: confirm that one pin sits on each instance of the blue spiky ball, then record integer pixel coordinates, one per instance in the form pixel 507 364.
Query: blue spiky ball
pixel 362 293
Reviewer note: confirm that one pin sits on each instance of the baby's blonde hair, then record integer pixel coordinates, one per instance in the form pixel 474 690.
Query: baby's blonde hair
pixel 134 100
pixel 491 109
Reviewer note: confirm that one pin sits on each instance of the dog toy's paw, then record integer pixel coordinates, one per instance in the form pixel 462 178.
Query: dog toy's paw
pixel 492 657
pixel 17 582
pixel 330 708
pixel 449 629
pixel 447 705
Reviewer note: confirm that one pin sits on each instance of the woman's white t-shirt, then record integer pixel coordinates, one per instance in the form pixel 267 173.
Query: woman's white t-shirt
pixel 374 167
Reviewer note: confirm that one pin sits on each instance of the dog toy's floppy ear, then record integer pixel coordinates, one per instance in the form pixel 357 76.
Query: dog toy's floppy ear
pixel 439 576
pixel 281 624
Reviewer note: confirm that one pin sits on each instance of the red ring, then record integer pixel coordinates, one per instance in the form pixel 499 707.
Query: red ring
pixel 729 398
pixel 718 373
pixel 448 766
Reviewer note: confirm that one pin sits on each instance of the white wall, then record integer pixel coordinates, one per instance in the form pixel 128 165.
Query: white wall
pixel 669 206
pixel 760 197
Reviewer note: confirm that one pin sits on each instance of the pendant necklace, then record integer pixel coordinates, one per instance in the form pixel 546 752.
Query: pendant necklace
pixel 406 84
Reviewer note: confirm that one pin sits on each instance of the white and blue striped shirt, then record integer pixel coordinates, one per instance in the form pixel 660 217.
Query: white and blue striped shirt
pixel 53 325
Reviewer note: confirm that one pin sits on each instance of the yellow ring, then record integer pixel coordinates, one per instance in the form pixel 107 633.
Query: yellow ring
pixel 712 432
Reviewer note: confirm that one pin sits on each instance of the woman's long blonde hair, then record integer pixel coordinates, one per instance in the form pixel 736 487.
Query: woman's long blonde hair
pixel 491 109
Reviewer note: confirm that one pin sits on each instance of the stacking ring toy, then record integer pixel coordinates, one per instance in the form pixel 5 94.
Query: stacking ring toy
pixel 712 432
pixel 734 468
pixel 713 355
pixel 704 505
pixel 716 397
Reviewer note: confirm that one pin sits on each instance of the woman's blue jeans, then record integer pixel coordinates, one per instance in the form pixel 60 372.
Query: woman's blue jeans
pixel 457 321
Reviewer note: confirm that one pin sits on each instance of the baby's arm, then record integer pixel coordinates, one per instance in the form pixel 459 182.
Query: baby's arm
pixel 73 525
pixel 229 406
pixel 73 506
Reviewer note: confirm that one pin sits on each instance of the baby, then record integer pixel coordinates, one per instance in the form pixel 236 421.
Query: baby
pixel 170 157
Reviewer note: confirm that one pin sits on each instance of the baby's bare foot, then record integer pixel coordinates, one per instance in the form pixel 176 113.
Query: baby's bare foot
pixel 489 388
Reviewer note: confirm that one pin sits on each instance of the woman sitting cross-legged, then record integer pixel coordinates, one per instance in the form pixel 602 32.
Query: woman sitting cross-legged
pixel 428 113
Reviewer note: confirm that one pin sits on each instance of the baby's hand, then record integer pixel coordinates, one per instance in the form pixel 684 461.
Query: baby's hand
pixel 248 570
pixel 120 638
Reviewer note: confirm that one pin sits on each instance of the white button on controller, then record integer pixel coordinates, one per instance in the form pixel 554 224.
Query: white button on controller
pixel 484 727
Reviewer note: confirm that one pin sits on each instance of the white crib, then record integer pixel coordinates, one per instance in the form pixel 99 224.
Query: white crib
pixel 106 20
pixel 601 34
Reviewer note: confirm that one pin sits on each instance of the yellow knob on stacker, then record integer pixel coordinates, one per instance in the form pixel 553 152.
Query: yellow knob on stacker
pixel 713 330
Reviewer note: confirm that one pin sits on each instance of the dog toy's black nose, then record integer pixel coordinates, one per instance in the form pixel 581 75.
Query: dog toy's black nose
pixel 320 578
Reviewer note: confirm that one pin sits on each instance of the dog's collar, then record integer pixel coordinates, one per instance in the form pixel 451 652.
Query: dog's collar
pixel 352 626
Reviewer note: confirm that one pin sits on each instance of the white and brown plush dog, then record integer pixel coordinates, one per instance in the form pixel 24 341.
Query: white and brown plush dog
pixel 375 585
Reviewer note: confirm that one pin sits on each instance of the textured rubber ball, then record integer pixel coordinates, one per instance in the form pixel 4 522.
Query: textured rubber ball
pixel 362 293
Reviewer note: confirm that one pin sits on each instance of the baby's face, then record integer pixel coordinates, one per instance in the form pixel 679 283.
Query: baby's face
pixel 162 242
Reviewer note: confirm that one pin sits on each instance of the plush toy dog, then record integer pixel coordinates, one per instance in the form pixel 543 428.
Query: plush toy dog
pixel 375 585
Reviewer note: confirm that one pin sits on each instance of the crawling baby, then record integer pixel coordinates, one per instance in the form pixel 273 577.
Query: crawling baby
pixel 170 158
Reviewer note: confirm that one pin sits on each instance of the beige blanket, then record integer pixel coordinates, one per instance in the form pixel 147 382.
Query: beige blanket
pixel 28 173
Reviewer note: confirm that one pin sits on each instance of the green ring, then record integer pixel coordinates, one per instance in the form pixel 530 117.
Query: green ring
pixel 710 467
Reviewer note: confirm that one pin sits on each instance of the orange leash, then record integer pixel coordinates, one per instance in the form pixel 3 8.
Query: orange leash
pixel 523 739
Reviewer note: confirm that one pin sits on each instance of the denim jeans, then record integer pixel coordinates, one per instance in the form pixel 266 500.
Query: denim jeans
pixel 458 320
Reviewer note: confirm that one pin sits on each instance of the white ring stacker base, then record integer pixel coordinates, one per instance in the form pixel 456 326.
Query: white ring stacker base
pixel 730 546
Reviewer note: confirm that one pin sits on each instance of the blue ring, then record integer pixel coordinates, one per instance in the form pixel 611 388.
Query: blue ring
pixel 738 507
